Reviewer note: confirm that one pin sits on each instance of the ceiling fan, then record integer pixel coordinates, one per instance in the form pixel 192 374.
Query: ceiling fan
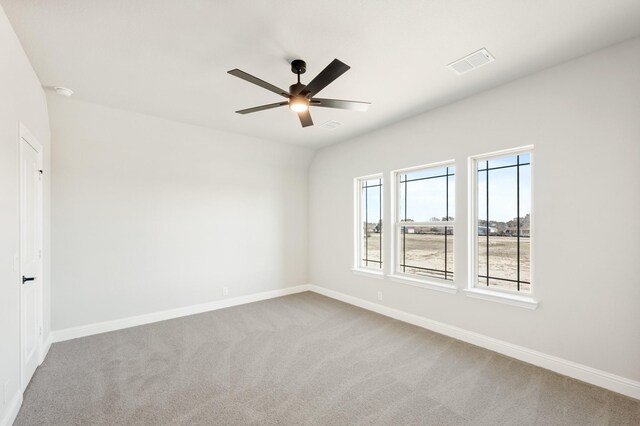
pixel 300 96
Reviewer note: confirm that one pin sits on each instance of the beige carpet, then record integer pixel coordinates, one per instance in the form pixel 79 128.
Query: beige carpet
pixel 297 360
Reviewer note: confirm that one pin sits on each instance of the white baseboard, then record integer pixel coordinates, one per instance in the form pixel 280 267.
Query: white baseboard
pixel 103 327
pixel 562 366
pixel 12 409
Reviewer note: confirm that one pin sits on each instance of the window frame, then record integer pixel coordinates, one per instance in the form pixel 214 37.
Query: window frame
pixel 433 283
pixel 526 300
pixel 358 268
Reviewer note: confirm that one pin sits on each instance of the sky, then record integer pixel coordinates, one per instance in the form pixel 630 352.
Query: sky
pixel 426 198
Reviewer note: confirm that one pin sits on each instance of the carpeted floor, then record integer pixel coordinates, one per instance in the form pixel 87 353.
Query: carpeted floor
pixel 296 360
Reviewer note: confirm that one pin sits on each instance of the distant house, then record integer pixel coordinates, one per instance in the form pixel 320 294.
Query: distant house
pixel 482 230
pixel 512 231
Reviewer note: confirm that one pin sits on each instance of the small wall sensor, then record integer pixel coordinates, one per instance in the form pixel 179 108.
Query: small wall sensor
pixel 63 91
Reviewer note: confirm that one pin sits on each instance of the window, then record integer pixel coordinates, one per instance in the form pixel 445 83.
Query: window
pixel 501 222
pixel 424 222
pixel 369 223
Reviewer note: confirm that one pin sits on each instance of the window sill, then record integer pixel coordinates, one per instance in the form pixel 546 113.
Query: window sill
pixel 368 273
pixel 447 288
pixel 506 298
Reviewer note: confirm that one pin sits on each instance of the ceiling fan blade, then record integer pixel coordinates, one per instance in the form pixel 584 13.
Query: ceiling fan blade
pixel 262 107
pixel 255 80
pixel 340 104
pixel 334 70
pixel 305 118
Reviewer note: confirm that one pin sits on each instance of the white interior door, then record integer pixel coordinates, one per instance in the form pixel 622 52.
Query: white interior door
pixel 30 254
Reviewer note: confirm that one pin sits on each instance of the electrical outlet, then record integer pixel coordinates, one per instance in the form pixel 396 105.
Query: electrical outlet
pixel 225 291
pixel 379 295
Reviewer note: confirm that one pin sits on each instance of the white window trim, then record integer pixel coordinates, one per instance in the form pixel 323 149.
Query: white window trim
pixel 525 300
pixel 502 297
pixel 370 273
pixel 431 283
pixel 357 268
pixel 428 284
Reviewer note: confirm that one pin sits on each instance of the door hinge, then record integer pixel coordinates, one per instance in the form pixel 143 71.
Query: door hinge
pixel 40 331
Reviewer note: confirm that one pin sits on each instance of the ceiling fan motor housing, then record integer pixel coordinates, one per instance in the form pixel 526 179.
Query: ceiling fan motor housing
pixel 296 88
pixel 298 66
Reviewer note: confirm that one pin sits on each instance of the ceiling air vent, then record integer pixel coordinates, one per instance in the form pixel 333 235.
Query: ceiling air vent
pixel 472 61
pixel 331 125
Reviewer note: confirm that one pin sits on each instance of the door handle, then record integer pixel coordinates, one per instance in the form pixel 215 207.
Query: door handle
pixel 25 279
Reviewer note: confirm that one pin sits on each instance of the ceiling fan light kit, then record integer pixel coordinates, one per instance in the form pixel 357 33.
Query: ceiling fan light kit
pixel 300 96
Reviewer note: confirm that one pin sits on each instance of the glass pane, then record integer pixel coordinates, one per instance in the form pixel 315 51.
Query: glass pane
pixel 452 197
pixel 371 217
pixel 502 198
pixel 482 258
pixel 504 225
pixel 525 260
pixel 426 251
pixel 503 257
pixel 525 199
pixel 482 202
pixel 502 284
pixel 371 182
pixel 427 199
pixel 424 173
pixel 449 248
pixel 402 198
pixel 373 241
pixel 510 160
pixel 525 222
pixel 423 195
pixel 483 230
pixel 363 244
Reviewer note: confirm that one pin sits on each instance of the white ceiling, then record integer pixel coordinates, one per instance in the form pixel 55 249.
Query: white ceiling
pixel 170 58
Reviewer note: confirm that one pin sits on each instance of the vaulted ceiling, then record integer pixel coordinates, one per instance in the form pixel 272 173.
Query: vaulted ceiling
pixel 170 58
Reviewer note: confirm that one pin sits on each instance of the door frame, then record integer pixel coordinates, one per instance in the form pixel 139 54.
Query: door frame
pixel 25 135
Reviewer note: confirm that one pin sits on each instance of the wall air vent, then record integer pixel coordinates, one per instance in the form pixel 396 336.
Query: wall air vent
pixel 331 124
pixel 472 61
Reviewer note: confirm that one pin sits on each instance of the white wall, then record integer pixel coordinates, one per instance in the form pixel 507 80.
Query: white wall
pixel 151 214
pixel 22 100
pixel 584 119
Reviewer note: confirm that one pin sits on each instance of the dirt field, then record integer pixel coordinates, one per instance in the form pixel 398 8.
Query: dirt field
pixel 373 248
pixel 424 251
pixel 503 261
